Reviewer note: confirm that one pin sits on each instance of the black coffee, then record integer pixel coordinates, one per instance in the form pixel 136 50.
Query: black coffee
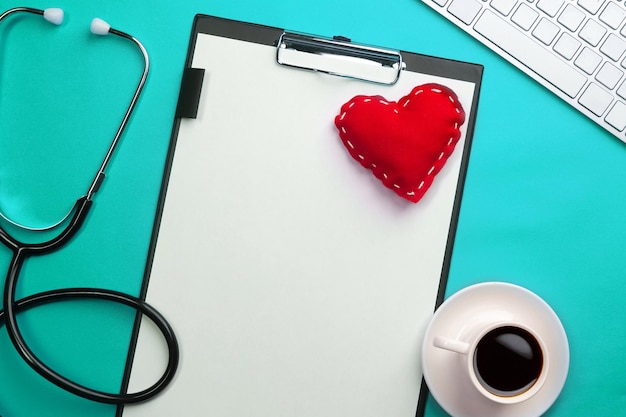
pixel 508 361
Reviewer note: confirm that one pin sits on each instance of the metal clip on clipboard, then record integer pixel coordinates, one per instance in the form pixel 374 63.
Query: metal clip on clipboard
pixel 338 56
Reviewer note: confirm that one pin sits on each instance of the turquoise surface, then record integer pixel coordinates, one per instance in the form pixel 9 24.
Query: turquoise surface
pixel 543 205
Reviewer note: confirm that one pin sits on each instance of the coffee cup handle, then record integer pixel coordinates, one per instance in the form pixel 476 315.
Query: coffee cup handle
pixel 452 345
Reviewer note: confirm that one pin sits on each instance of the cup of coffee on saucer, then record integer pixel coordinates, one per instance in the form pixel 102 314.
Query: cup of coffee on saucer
pixel 495 349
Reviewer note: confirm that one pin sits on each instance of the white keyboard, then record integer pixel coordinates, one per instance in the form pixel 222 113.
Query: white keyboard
pixel 575 48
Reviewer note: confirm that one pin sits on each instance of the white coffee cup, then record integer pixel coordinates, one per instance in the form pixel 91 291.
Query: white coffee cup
pixel 506 361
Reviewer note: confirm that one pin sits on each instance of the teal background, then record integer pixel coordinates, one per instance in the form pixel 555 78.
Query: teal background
pixel 543 205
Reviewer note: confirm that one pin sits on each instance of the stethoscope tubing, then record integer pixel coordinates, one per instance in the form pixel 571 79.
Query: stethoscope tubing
pixel 19 306
pixel 8 316
pixel 72 223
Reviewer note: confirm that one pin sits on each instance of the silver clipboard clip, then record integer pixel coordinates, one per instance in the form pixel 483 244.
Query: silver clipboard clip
pixel 339 56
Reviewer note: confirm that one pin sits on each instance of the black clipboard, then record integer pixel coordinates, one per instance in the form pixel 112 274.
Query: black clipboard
pixel 296 283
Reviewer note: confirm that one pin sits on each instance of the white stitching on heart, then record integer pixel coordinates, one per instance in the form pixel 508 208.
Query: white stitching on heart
pixel 418 92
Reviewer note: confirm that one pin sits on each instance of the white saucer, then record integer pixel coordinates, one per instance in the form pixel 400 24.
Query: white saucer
pixel 443 370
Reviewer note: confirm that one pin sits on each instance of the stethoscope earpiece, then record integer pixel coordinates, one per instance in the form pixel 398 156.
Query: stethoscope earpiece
pixel 53 15
pixel 99 27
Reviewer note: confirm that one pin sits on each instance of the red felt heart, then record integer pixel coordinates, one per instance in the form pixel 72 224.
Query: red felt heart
pixel 404 143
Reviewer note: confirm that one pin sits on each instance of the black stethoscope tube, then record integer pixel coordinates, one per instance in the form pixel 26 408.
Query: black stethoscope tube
pixel 21 252
pixel 107 295
pixel 73 221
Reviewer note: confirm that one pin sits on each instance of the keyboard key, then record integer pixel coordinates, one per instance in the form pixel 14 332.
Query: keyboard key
pixel 592 6
pixel 440 2
pixel 546 31
pixel 613 47
pixel 531 53
pixel 609 75
pixel 550 7
pixel 592 32
pixel 622 90
pixel 566 46
pixel 613 15
pixel 503 6
pixel 465 10
pixel 588 60
pixel 595 99
pixel 571 17
pixel 524 17
pixel 617 116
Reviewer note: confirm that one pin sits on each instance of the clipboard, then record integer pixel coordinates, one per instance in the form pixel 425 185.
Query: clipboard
pixel 296 283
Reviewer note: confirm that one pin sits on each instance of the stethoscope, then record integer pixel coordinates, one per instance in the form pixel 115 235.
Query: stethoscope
pixel 70 224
